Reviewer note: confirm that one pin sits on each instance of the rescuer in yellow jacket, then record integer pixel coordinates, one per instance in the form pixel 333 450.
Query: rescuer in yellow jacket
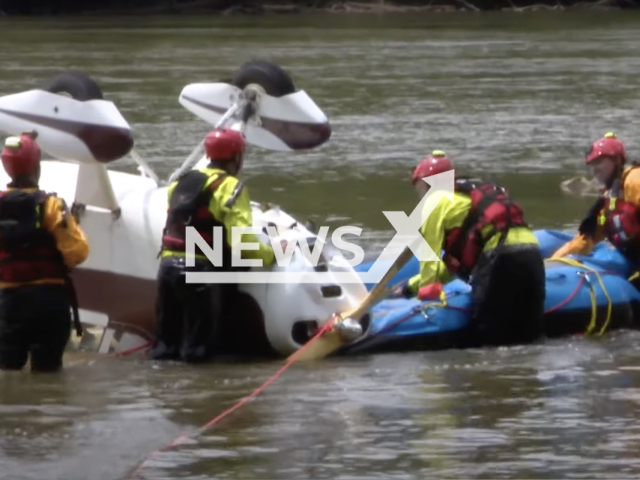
pixel 615 216
pixel 39 242
pixel 487 243
pixel 189 316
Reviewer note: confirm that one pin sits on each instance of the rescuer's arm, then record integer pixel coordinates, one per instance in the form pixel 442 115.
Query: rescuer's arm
pixel 231 200
pixel 70 239
pixel 433 231
pixel 590 233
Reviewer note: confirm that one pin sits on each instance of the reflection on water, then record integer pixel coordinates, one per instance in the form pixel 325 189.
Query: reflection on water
pixel 559 409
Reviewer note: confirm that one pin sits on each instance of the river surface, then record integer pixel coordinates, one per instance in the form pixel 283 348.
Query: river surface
pixel 513 97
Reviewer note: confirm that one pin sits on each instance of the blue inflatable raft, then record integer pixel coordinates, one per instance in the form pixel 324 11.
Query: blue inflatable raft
pixel 584 294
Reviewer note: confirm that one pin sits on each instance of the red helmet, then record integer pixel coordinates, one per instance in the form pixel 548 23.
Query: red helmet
pixel 434 164
pixel 21 155
pixel 608 146
pixel 224 144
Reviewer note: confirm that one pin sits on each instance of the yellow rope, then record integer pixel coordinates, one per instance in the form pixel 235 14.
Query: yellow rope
pixel 592 295
pixel 443 303
pixel 592 323
pixel 443 298
pixel 594 308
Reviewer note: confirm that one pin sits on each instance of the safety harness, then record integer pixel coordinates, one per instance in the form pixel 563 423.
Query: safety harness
pixel 28 252
pixel 619 219
pixel 189 206
pixel 490 206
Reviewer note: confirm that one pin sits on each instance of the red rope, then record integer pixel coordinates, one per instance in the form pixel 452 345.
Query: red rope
pixel 328 325
pixel 281 370
pixel 143 332
pixel 132 350
pixel 462 309
pixel 416 310
pixel 568 299
pixel 399 321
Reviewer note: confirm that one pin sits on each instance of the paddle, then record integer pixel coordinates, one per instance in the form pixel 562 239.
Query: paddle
pixel 331 340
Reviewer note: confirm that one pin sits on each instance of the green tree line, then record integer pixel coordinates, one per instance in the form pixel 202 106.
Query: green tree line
pixel 61 7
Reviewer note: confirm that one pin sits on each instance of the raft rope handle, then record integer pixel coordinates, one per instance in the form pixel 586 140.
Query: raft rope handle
pixel 592 294
pixel 422 308
pixel 585 276
pixel 443 304
pixel 594 303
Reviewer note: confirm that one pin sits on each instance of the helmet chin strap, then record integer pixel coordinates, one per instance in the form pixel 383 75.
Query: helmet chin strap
pixel 239 162
pixel 615 183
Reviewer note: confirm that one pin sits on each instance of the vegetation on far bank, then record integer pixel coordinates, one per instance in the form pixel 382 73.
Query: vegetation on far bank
pixel 261 7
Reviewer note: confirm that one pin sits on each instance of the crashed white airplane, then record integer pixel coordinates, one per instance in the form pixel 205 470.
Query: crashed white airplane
pixel 123 214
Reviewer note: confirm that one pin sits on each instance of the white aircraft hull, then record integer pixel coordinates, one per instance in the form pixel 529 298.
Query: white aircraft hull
pixel 123 214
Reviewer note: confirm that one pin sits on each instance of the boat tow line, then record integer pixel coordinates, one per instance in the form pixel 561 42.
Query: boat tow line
pixel 291 360
pixel 329 325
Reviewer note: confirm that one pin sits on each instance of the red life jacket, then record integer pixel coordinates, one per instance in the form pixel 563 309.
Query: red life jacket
pixel 619 219
pixel 189 206
pixel 28 252
pixel 490 205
